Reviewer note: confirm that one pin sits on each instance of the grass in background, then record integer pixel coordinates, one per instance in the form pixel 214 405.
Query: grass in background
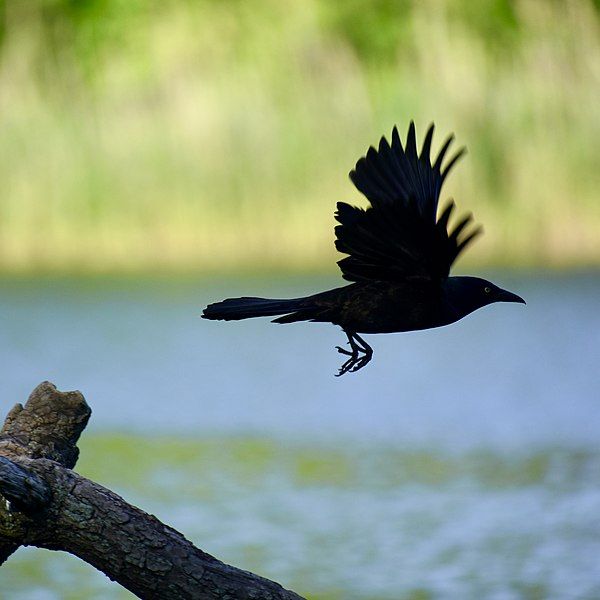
pixel 218 135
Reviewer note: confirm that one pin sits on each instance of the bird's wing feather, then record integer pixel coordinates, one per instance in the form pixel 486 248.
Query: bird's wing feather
pixel 398 236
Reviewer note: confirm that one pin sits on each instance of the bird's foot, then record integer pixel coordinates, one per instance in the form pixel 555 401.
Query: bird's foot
pixel 347 366
pixel 360 355
pixel 352 361
pixel 363 361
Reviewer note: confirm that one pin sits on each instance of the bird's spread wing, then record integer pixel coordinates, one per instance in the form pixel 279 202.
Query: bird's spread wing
pixel 398 236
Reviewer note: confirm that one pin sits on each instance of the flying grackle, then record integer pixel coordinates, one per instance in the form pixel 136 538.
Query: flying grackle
pixel 399 255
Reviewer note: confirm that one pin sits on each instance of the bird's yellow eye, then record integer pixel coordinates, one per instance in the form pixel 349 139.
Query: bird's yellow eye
pixel 487 290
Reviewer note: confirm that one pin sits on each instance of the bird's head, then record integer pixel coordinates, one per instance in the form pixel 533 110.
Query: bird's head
pixel 463 295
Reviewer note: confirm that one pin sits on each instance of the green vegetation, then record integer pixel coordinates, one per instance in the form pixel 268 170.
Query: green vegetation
pixel 206 135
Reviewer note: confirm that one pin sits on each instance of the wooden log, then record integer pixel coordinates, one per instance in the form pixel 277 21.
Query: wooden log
pixel 48 505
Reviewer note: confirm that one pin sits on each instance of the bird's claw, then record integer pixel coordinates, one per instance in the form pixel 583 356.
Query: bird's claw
pixel 344 351
pixel 346 367
pixel 353 364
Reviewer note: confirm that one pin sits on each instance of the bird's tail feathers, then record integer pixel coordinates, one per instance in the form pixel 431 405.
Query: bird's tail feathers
pixel 234 309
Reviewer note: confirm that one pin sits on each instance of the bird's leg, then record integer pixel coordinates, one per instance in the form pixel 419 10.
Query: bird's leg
pixel 358 346
pixel 353 345
pixel 367 353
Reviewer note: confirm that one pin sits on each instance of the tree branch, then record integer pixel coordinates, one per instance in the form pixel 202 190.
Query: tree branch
pixel 24 490
pixel 49 506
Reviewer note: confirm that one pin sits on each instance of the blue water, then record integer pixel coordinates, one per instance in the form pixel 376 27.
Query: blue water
pixel 507 376
pixel 470 454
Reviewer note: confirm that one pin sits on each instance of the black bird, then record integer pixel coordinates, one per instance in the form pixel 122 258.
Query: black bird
pixel 399 255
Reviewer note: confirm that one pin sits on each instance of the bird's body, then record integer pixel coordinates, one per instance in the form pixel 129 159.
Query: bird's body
pixel 372 307
pixel 381 307
pixel 399 256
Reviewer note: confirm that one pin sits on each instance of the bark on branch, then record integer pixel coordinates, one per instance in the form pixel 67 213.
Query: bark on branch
pixel 48 505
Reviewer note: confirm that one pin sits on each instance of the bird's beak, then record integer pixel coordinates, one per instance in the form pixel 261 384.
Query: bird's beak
pixel 506 296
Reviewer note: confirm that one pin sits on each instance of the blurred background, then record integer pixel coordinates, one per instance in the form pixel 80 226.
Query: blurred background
pixel 157 156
